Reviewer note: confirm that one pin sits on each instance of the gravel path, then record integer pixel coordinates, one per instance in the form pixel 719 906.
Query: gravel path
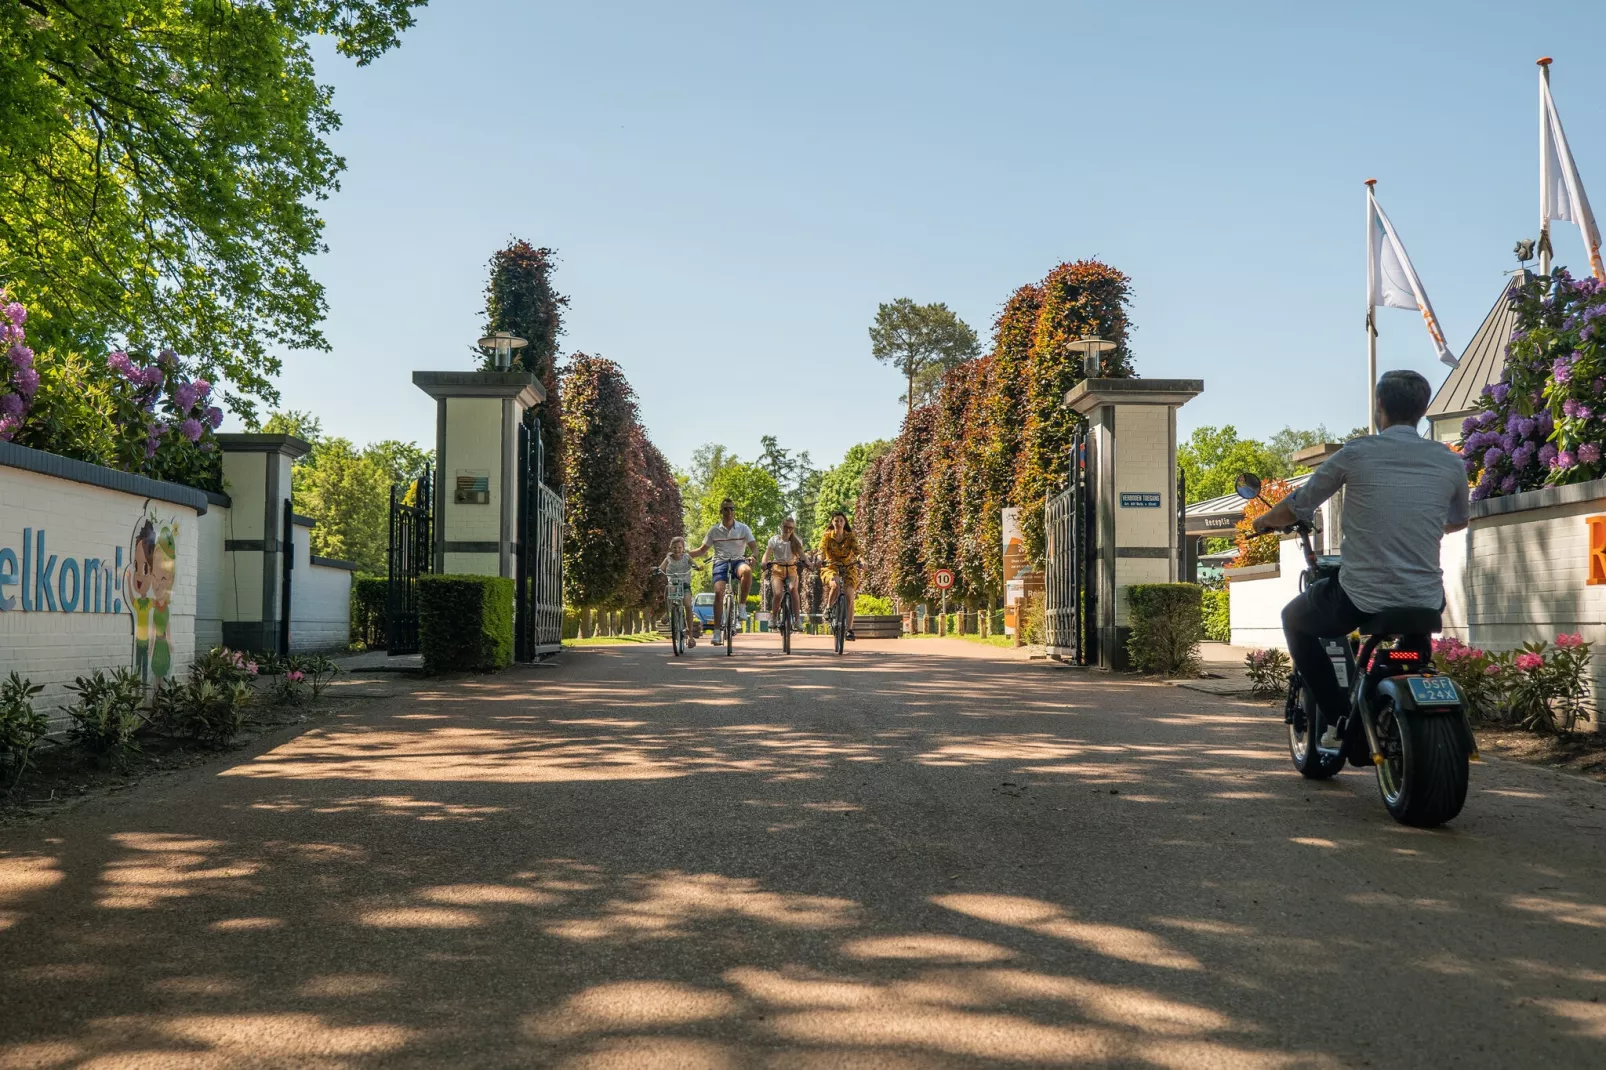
pixel 923 854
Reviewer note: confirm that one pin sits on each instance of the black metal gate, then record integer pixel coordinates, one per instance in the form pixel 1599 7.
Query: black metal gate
pixel 1071 596
pixel 538 573
pixel 411 545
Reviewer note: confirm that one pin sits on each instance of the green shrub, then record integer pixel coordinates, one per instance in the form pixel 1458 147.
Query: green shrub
pixel 21 726
pixel 1167 626
pixel 1268 671
pixel 1033 618
pixel 208 705
pixel 465 623
pixel 869 605
pixel 107 715
pixel 368 597
pixel 1217 610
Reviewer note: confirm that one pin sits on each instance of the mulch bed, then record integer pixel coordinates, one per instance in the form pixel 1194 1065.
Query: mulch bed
pixel 1581 753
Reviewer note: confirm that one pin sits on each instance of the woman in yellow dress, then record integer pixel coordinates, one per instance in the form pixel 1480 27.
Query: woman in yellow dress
pixel 840 548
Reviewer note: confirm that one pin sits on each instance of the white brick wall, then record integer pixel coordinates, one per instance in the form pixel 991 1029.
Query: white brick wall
pixel 320 601
pixel 81 521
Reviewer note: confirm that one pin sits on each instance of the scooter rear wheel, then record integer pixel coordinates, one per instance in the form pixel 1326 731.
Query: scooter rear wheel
pixel 1423 778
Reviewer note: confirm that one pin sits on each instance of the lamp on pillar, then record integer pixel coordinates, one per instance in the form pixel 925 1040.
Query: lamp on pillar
pixel 1090 348
pixel 503 343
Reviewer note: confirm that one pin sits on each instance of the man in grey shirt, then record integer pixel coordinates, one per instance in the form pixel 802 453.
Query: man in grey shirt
pixel 1402 495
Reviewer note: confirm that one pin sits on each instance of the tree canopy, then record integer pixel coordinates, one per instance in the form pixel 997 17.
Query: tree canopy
pixel 520 298
pixel 759 502
pixel 161 168
pixel 840 485
pixel 922 341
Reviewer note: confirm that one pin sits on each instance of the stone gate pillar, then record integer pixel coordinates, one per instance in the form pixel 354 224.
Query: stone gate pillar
pixel 477 418
pixel 1132 439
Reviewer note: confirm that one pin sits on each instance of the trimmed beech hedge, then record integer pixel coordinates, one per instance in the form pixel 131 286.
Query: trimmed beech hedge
pixel 368 596
pixel 465 623
pixel 1167 625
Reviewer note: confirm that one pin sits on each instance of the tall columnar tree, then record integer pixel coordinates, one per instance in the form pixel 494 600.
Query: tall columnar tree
pixel 943 492
pixel 872 520
pixel 922 341
pixel 520 298
pixel 1003 418
pixel 656 518
pixel 1079 299
pixel 599 426
pixel 160 170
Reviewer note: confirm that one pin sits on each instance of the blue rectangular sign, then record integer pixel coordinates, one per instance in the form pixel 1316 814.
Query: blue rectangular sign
pixel 1137 500
pixel 1434 691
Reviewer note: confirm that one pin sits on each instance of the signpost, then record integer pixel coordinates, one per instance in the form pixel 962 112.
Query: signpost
pixel 945 580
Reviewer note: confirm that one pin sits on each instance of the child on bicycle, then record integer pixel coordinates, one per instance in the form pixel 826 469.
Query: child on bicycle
pixel 677 568
pixel 783 554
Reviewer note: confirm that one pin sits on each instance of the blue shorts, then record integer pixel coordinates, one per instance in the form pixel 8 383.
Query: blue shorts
pixel 726 570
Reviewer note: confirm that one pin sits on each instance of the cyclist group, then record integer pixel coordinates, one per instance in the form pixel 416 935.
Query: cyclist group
pixel 732 543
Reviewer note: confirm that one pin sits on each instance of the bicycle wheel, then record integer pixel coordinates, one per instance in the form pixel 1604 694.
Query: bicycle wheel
pixel 730 617
pixel 786 623
pixel 677 629
pixel 839 622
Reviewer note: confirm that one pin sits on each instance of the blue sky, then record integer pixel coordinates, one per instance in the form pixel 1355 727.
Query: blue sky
pixel 733 187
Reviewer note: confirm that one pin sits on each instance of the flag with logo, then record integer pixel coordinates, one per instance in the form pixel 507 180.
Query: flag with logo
pixel 1561 191
pixel 1391 281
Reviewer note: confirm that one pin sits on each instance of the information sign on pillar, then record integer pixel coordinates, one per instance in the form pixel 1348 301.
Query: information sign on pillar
pixel 1132 440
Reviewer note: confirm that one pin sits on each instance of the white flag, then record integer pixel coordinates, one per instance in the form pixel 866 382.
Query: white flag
pixel 1391 280
pixel 1561 191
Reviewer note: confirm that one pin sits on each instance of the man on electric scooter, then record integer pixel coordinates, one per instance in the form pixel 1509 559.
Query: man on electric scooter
pixel 1402 495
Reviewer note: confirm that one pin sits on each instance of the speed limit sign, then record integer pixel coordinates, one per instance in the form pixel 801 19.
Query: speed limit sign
pixel 945 579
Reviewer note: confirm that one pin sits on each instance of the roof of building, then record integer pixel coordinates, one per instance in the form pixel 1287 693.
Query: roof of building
pixel 1483 361
pixel 1218 515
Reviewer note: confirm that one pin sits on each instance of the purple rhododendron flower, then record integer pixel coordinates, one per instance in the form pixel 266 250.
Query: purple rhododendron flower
pixel 1524 426
pixel 191 429
pixel 1523 457
pixel 1562 370
pixel 11 405
pixel 1584 412
pixel 16 313
pixel 1508 485
pixel 1471 464
pixel 214 417
pixel 1569 408
pixel 167 356
pixel 1588 453
pixel 153 376
pixel 1508 441
pixel 1501 392
pixel 1480 492
pixel 1564 459
pixel 21 356
pixel 1493 457
pixel 1469 425
pixel 26 382
pixel 151 445
pixel 1547 454
pixel 118 362
pixel 185 397
pixel 203 389
pixel 207 447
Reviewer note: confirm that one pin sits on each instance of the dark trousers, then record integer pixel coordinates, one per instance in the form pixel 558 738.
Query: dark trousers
pixel 1322 611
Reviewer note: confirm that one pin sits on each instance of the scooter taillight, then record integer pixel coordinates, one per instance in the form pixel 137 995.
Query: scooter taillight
pixel 1402 655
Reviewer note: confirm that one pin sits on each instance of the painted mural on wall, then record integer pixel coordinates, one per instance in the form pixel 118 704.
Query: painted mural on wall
pixel 137 580
pixel 148 589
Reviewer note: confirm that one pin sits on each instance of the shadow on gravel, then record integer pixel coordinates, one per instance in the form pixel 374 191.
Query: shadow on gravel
pixel 804 862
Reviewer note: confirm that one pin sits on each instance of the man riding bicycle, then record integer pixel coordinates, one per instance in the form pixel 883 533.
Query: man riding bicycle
pixel 731 541
pixel 840 548
pixel 783 555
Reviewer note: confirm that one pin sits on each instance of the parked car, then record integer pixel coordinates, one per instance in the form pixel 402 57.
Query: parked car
pixel 702 607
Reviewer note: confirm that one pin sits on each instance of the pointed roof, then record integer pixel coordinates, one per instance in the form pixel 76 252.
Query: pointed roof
pixel 1483 361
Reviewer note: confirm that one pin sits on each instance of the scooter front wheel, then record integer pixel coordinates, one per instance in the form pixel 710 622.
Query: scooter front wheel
pixel 1304 736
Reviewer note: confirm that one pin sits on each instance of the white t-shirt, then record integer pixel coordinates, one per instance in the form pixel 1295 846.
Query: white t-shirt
pixel 730 543
pixel 679 572
pixel 781 551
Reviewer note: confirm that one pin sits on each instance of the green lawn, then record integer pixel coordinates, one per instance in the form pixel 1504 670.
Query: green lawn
pixel 615 640
pixel 990 640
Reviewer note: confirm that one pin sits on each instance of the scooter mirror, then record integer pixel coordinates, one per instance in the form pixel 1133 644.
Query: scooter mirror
pixel 1248 486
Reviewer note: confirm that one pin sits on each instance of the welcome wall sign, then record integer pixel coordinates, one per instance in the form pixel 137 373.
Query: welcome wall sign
pixel 34 580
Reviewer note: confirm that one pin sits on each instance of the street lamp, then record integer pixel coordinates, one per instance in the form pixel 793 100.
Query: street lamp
pixel 504 342
pixel 1090 348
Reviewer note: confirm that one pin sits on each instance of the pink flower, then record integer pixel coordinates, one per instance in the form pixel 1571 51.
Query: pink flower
pixel 16 313
pixel 1574 640
pixel 1492 670
pixel 251 667
pixel 295 676
pixel 1529 662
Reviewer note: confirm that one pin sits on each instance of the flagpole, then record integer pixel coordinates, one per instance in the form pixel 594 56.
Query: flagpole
pixel 1544 120
pixel 1371 325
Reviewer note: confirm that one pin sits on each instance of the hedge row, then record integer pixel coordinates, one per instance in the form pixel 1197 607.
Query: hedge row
pixel 465 623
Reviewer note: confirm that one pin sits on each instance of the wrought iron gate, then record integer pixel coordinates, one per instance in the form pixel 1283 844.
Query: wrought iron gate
pixel 411 545
pixel 538 574
pixel 1071 599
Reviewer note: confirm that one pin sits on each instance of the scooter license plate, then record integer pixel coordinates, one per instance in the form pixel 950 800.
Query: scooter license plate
pixel 1433 691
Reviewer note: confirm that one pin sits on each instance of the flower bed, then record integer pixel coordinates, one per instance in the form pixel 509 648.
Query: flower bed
pixel 1538 687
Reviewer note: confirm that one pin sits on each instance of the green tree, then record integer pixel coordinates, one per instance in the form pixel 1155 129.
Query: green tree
pixel 798 479
pixel 921 341
pixel 520 298
pixel 757 497
pixel 841 484
pixel 706 462
pixel 599 426
pixel 162 166
pixel 1213 457
pixel 293 422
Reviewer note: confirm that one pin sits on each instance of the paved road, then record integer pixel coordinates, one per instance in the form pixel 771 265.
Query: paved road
pixel 891 859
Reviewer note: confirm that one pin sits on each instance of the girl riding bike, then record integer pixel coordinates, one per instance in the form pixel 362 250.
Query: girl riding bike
pixel 784 553
pixel 840 548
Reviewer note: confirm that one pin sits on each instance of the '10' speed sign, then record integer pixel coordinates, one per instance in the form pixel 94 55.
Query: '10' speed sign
pixel 945 579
